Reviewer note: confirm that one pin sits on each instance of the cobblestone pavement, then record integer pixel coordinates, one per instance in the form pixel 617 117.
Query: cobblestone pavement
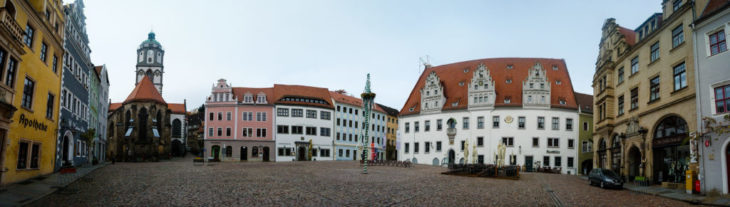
pixel 180 183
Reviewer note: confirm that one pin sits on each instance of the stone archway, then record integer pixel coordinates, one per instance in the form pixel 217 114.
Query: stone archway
pixel 670 150
pixel 634 162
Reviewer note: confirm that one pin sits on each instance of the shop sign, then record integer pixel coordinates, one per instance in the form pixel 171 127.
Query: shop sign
pixel 667 141
pixel 35 124
pixel 553 151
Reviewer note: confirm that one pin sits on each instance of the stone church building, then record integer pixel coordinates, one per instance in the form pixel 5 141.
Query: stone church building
pixel 144 127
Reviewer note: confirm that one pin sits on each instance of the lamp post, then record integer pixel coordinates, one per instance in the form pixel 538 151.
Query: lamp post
pixel 367 101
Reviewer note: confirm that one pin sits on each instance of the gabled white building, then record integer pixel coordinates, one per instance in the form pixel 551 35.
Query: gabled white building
pixel 526 103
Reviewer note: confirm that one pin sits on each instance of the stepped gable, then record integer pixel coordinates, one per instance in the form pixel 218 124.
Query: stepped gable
pixel 240 91
pixel 452 74
pixel 353 101
pixel 145 91
pixel 297 91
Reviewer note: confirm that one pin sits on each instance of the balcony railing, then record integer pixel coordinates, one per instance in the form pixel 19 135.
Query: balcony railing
pixel 9 23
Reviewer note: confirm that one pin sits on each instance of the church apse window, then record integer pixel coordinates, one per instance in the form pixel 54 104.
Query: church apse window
pixel 176 126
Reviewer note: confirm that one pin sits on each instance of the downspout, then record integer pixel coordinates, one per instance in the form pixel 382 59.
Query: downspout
pixel 698 97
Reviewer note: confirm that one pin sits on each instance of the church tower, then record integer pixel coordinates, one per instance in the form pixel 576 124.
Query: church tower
pixel 149 61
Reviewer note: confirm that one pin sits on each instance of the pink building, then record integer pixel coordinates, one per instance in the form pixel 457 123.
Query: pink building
pixel 239 123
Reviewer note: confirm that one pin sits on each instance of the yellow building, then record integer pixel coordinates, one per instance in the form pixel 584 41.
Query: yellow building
pixel 29 149
pixel 644 96
pixel 391 124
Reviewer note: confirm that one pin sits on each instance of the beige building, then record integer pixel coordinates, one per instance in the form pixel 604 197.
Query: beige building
pixel 644 96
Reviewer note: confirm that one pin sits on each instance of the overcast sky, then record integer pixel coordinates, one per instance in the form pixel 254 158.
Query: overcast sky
pixel 334 44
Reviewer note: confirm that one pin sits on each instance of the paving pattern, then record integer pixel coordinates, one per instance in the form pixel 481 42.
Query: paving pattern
pixel 180 183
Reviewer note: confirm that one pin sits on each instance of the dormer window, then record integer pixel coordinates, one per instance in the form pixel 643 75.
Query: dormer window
pixel 507 100
pixel 466 70
pixel 555 67
pixel 261 98
pixel 455 104
pixel 508 81
pixel 411 109
pixel 461 83
pixel 562 102
pixel 558 82
pixel 509 66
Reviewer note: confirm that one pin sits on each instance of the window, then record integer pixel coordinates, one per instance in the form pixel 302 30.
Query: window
pixel 480 122
pixel 297 112
pixel 439 124
pixel 408 127
pixel 677 37
pixel 312 114
pixel 282 112
pixel 34 158
pixel 28 38
pixel 261 132
pixel 507 100
pixel 426 125
pixel 655 51
pixel 297 129
pixel 220 116
pixel 44 50
pixel 570 162
pixel 556 123
pixel 415 126
pixel 654 89
pixel 415 147
pixel 55 64
pixel 585 125
pixel 462 145
pixel 521 122
pixel 508 141
pixel 495 121
pixel 324 131
pixel 438 146
pixel 546 161
pixel 27 99
pixel 680 77
pixel 211 115
pixel 540 122
pixel 10 74
pixel 428 147
pixel 228 116
pixel 620 110
pixel 406 147
pixel 558 161
pixel 553 142
pixel 261 117
pixel 634 98
pixel 722 99
pixel 23 155
pixel 571 143
pixel 535 142
pixel 635 65
pixel 620 75
pixel 465 123
pixel 49 106
pixel 717 42
pixel 311 130
pixel 210 132
pixel 220 132
pixel 325 115
pixel 480 141
pixel 676 4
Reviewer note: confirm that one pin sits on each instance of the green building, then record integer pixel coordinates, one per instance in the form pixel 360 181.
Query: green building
pixel 585 135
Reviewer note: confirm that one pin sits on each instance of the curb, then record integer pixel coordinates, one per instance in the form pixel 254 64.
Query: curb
pixel 693 202
pixel 56 188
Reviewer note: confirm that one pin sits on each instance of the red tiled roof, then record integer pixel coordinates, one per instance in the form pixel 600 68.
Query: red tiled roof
pixel 240 91
pixel 712 6
pixel 350 100
pixel 585 102
pixel 145 91
pixel 282 91
pixel 452 74
pixel 176 108
pixel 629 35
pixel 114 106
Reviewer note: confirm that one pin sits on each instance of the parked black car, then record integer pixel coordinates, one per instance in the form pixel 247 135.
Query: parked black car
pixel 605 178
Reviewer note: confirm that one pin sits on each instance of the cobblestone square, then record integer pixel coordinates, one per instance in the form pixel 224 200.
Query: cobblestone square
pixel 180 183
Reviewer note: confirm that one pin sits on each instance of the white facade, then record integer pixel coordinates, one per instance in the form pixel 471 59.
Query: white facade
pixel 181 136
pixel 508 127
pixel 348 131
pixel 295 143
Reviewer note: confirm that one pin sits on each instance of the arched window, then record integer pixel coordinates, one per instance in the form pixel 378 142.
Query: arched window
pixel 127 119
pixel 602 153
pixel 10 8
pixel 229 151
pixel 159 120
pixel 149 74
pixel 670 127
pixel 176 125
pixel 142 126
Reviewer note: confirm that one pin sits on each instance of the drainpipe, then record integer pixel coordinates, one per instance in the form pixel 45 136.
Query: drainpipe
pixel 698 96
